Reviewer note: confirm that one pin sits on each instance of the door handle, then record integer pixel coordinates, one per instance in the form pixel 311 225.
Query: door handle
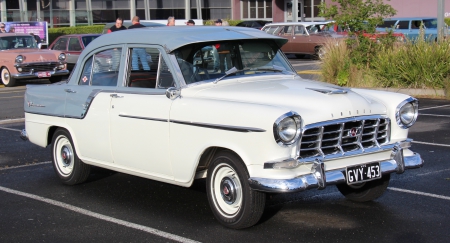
pixel 115 96
pixel 70 91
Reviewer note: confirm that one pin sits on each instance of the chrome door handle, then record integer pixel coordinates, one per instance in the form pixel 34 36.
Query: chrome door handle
pixel 115 96
pixel 70 91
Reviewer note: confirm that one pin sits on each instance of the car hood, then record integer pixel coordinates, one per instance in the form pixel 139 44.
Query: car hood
pixel 36 55
pixel 314 101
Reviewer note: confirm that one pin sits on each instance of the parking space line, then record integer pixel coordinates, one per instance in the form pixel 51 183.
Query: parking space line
pixel 419 193
pixel 437 144
pixel 11 129
pixel 11 97
pixel 433 115
pixel 434 107
pixel 99 216
pixel 21 166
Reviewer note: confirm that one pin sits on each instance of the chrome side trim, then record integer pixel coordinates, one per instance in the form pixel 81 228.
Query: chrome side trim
pixel 310 181
pixel 144 118
pixel 220 127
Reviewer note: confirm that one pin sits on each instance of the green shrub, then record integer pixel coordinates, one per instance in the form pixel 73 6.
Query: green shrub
pixel 54 33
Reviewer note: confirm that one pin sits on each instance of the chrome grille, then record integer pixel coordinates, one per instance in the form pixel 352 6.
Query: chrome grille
pixel 38 67
pixel 344 135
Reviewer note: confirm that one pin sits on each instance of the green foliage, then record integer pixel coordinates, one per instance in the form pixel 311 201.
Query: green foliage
pixel 357 15
pixel 54 33
pixel 447 21
pixel 230 22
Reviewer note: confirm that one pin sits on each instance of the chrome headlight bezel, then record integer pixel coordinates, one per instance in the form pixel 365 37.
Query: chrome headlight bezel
pixel 19 59
pixel 407 112
pixel 290 122
pixel 62 57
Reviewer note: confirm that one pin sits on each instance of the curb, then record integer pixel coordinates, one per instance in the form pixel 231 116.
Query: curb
pixel 416 92
pixel 12 120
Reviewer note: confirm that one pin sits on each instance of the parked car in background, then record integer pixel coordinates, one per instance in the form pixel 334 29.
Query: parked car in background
pixel 303 37
pixel 252 127
pixel 256 24
pixel 333 27
pixel 410 27
pixel 72 45
pixel 21 58
pixel 127 23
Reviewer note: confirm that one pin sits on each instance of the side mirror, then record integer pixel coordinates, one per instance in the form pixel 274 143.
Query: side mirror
pixel 173 93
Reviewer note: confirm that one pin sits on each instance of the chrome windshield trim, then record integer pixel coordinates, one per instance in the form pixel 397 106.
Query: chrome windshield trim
pixel 219 126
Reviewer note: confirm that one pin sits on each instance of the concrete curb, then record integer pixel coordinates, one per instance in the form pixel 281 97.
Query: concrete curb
pixel 12 120
pixel 415 92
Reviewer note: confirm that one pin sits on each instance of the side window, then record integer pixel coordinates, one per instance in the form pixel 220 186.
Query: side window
pixel 299 30
pixel 60 45
pixel 403 25
pixel 287 30
pixel 74 44
pixel 102 69
pixel 148 69
pixel 415 24
pixel 387 24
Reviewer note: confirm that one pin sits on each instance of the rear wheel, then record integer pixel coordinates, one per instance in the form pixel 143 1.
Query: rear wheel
pixel 366 191
pixel 320 52
pixel 232 201
pixel 69 168
pixel 7 80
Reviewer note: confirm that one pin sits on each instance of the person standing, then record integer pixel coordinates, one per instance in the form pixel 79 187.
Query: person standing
pixel 171 21
pixel 2 28
pixel 138 53
pixel 218 22
pixel 118 26
pixel 190 22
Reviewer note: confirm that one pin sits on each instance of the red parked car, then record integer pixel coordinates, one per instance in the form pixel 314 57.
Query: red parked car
pixel 72 45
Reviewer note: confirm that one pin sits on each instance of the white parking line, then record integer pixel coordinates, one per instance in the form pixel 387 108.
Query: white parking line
pixel 99 216
pixel 434 107
pixel 437 144
pixel 20 166
pixel 419 193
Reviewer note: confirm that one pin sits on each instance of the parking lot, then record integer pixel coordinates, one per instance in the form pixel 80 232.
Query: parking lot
pixel 110 206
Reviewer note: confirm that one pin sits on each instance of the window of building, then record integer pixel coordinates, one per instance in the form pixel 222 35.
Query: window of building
pixel 311 7
pixel 256 9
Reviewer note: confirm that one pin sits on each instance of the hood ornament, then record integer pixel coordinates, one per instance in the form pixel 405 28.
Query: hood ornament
pixel 330 92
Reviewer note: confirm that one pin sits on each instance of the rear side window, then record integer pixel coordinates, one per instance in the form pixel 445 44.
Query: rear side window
pixel 387 24
pixel 403 25
pixel 102 69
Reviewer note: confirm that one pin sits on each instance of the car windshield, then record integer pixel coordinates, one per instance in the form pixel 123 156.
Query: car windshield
pixel 87 39
pixel 17 42
pixel 211 61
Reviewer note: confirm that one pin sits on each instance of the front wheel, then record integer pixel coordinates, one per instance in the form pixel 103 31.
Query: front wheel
pixel 366 191
pixel 232 201
pixel 68 167
pixel 320 52
pixel 7 80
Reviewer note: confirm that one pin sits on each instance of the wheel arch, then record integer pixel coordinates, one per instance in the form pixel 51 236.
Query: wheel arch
pixel 207 156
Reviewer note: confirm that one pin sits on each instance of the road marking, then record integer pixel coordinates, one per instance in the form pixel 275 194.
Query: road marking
pixel 7 92
pixel 99 216
pixel 12 120
pixel 419 193
pixel 309 72
pixel 433 115
pixel 428 108
pixel 21 166
pixel 437 144
pixel 11 129
pixel 11 97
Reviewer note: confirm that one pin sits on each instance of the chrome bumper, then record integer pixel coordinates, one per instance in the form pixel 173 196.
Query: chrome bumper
pixel 319 178
pixel 35 75
pixel 24 135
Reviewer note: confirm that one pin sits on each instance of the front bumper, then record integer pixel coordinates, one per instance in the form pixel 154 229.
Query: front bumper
pixel 35 75
pixel 319 178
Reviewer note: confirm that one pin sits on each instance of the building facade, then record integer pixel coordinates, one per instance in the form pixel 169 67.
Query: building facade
pixel 61 13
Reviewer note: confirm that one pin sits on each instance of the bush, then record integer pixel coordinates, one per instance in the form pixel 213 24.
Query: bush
pixel 54 33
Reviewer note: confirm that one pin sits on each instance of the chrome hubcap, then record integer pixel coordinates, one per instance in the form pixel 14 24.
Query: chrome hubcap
pixel 66 156
pixel 228 191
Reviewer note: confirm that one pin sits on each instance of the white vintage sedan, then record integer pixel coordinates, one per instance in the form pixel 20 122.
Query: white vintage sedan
pixel 175 104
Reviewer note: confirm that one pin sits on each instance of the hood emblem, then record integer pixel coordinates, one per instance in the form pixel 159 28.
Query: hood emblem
pixel 353 132
pixel 329 91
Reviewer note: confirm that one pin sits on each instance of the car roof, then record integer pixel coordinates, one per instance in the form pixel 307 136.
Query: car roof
pixel 299 23
pixel 173 37
pixel 410 18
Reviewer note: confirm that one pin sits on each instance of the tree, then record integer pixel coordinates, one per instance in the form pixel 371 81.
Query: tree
pixel 357 15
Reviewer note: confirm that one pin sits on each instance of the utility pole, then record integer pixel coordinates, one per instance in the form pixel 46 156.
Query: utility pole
pixel 440 17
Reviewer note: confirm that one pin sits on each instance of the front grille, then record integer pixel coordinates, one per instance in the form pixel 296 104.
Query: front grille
pixel 344 135
pixel 38 67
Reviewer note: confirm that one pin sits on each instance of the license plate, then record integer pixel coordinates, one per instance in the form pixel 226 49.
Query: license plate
pixel 44 74
pixel 362 173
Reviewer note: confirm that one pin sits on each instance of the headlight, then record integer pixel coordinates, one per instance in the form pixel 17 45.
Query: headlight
pixel 62 57
pixel 19 59
pixel 406 113
pixel 287 128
